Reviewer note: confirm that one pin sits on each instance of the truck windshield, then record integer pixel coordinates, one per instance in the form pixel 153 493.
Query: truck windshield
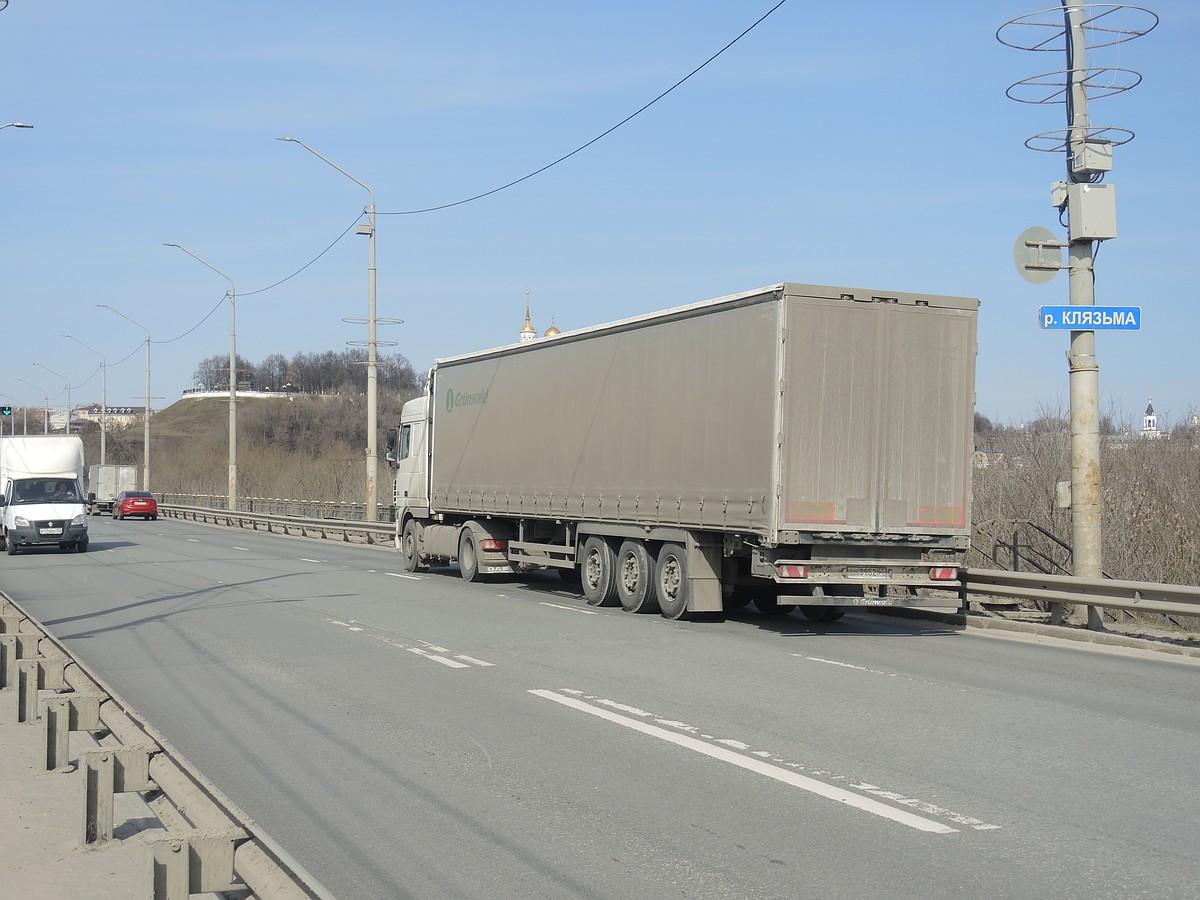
pixel 44 490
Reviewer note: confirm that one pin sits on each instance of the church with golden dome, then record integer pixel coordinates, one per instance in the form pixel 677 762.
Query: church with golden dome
pixel 529 333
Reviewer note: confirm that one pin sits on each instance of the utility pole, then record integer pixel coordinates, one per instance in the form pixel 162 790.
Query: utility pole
pixel 1090 208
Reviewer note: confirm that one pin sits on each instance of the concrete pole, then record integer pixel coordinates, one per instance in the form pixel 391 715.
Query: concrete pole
pixel 1086 535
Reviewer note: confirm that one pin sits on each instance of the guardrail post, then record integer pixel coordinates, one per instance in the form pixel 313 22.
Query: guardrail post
pixel 170 866
pixel 27 690
pixel 97 773
pixel 8 660
pixel 56 725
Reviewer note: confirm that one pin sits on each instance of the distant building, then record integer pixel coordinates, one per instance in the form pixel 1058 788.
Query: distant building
pixel 1150 422
pixel 118 416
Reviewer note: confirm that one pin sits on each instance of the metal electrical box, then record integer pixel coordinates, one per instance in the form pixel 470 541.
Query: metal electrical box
pixel 1093 211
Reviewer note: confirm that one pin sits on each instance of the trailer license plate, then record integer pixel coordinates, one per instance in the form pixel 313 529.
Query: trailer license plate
pixel 50 530
pixel 870 574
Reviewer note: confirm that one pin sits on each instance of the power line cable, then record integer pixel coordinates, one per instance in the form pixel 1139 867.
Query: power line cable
pixel 603 134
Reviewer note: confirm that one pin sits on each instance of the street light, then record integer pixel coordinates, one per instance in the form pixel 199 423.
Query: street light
pixel 16 125
pixel 372 369
pixel 103 392
pixel 46 400
pixel 146 411
pixel 64 378
pixel 232 377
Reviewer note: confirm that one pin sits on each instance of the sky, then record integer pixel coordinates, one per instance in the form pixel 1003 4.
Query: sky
pixel 867 145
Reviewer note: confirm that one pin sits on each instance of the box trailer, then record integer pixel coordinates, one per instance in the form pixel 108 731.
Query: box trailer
pixel 797 445
pixel 105 482
pixel 41 492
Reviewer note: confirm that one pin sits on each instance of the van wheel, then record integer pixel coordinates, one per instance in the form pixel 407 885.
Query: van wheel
pixel 671 582
pixel 468 557
pixel 82 546
pixel 599 572
pixel 11 546
pixel 635 578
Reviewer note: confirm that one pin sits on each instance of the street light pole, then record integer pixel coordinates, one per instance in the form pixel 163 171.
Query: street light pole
pixel 146 411
pixel 64 378
pixel 16 125
pixel 46 400
pixel 372 476
pixel 103 392
pixel 233 504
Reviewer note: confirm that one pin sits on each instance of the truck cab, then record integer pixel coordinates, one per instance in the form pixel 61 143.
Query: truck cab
pixel 408 455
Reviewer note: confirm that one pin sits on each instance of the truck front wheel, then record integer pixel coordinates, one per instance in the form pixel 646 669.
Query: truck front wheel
pixel 671 581
pixel 598 573
pixel 635 578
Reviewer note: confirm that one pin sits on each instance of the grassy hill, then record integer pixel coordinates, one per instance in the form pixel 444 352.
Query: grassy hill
pixel 303 446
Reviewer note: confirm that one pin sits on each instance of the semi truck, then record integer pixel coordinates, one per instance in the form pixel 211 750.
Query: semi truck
pixel 105 482
pixel 793 446
pixel 41 492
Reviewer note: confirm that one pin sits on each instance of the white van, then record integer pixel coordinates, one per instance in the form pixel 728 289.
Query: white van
pixel 41 492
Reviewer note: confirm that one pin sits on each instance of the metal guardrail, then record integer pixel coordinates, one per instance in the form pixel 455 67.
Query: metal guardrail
pixel 372 532
pixel 1131 596
pixel 979 584
pixel 211 846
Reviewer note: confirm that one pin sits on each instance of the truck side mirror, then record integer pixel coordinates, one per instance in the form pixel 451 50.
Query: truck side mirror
pixel 91 496
pixel 390 443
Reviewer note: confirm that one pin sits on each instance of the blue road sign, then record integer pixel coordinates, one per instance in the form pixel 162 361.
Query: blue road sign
pixel 1091 318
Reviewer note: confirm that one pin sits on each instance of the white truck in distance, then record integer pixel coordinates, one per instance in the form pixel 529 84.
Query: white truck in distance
pixel 41 492
pixel 105 482
pixel 793 446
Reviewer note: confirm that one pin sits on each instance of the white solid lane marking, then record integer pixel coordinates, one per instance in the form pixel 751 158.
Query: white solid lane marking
pixel 820 788
pixel 304 559
pixel 193 540
pixel 243 549
pixel 586 612
pixel 404 575
pixel 846 665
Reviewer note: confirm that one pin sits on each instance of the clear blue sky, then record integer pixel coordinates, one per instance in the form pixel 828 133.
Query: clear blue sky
pixel 860 144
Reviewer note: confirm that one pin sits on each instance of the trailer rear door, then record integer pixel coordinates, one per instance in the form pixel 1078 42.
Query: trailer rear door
pixel 877 412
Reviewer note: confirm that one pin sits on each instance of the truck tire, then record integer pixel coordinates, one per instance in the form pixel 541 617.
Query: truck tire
pixel 11 547
pixel 468 557
pixel 408 546
pixel 672 584
pixel 598 572
pixel 635 578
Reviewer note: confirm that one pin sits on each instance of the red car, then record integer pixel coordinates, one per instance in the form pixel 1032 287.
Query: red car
pixel 135 503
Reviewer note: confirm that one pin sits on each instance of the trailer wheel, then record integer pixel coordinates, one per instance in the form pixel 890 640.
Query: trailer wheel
pixel 635 578
pixel 408 546
pixel 822 613
pixel 671 582
pixel 599 572
pixel 468 557
pixel 767 603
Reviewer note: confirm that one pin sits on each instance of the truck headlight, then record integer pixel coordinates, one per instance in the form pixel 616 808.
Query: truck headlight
pixel 21 522
pixel 80 519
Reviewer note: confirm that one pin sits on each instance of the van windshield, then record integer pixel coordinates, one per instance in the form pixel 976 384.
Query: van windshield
pixel 44 490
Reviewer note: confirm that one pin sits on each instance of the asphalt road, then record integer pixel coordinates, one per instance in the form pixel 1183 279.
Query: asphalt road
pixel 415 736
